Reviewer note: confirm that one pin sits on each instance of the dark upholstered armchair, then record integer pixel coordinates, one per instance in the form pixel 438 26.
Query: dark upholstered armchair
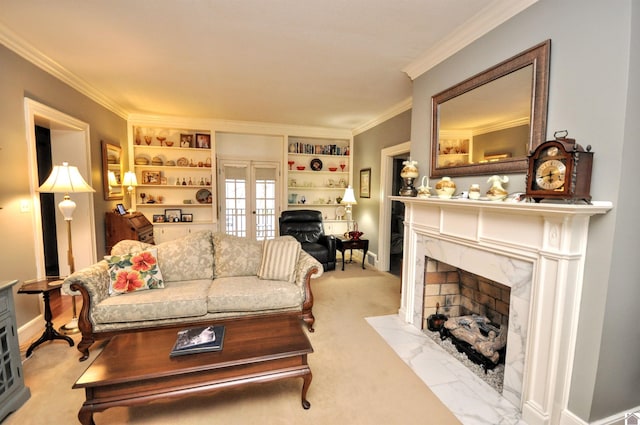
pixel 306 226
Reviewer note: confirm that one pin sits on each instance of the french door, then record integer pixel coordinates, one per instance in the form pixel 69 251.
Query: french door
pixel 250 196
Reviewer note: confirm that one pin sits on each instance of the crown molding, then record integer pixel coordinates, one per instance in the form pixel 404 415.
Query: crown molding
pixel 490 17
pixel 27 51
pixel 396 109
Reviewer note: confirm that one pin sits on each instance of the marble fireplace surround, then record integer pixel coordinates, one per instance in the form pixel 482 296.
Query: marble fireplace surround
pixel 535 249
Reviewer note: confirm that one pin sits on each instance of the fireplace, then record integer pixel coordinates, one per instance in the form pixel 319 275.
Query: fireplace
pixel 537 251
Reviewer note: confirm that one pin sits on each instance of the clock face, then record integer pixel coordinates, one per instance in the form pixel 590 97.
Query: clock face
pixel 550 175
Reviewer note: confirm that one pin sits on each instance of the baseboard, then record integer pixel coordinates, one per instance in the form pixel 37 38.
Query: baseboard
pixel 31 330
pixel 569 418
pixel 617 419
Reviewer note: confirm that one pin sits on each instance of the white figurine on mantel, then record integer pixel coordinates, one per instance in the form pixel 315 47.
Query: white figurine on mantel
pixel 424 191
pixel 496 192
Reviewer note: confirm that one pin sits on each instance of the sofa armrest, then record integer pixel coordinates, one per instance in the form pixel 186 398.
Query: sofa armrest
pixel 307 268
pixel 94 280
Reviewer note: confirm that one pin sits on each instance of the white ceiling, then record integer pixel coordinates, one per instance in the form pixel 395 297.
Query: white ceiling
pixel 328 63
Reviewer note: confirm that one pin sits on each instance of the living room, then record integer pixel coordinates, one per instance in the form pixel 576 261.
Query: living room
pixel 593 93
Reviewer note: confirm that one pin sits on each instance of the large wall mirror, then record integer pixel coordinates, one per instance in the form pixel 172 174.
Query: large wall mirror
pixel 111 171
pixel 488 123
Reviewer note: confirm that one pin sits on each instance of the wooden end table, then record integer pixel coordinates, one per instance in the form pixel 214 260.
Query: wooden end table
pixel 255 350
pixel 44 287
pixel 342 244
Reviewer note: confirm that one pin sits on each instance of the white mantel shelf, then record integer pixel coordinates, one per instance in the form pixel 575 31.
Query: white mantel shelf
pixel 536 249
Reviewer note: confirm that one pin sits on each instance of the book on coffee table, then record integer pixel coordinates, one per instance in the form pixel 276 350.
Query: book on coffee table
pixel 198 340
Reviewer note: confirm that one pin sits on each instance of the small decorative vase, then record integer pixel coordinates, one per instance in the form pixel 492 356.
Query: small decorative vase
pixel 424 191
pixel 445 188
pixel 474 191
pixel 496 192
pixel 409 173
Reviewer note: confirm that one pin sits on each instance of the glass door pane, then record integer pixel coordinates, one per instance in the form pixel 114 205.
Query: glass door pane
pixel 265 178
pixel 235 202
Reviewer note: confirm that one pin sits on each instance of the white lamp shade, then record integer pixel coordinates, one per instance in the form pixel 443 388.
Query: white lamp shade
pixel 112 179
pixel 65 178
pixel 130 179
pixel 348 197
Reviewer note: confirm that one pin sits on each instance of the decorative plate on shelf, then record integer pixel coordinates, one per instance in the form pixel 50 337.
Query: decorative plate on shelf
pixel 316 164
pixel 203 196
pixel 340 212
pixel 182 162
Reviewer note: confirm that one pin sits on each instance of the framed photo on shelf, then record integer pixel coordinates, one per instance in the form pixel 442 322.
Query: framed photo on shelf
pixel 158 218
pixel 203 141
pixel 186 141
pixel 151 177
pixel 365 183
pixel 187 218
pixel 173 215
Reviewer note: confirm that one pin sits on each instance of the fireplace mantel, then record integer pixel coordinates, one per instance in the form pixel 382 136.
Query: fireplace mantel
pixel 538 250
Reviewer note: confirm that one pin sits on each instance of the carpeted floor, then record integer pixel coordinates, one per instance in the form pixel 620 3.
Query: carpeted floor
pixel 357 377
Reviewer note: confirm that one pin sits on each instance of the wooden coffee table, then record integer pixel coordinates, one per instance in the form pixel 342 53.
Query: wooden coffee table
pixel 135 368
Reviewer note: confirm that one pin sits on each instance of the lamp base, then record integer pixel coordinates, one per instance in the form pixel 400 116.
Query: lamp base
pixel 71 327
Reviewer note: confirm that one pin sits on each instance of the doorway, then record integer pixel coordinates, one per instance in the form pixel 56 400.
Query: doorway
pixel 250 195
pixel 387 178
pixel 69 140
pixel 396 226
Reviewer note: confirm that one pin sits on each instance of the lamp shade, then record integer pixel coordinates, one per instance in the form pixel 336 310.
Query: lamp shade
pixel 112 179
pixel 65 178
pixel 348 197
pixel 130 180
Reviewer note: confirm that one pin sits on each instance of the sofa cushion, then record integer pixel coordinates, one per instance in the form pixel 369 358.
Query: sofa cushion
pixel 235 256
pixel 134 272
pixel 187 258
pixel 279 259
pixel 249 293
pixel 177 299
pixel 126 246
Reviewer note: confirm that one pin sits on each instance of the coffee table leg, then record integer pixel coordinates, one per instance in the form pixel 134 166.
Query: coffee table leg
pixel 305 387
pixel 85 416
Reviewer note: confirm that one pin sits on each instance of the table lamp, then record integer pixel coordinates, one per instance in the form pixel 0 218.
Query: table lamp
pixel 348 199
pixel 130 181
pixel 67 179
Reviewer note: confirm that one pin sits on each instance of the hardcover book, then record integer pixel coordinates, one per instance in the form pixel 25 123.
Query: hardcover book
pixel 198 340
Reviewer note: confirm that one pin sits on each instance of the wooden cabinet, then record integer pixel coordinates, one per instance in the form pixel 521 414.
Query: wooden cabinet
pixel 318 172
pixel 134 226
pixel 13 392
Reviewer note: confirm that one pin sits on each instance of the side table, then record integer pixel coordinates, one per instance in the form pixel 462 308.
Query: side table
pixel 342 244
pixel 44 287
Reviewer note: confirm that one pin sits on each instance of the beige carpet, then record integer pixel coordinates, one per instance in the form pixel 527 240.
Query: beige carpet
pixel 357 378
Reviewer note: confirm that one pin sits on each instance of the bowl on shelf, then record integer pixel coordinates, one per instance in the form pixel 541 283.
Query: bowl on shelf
pixel 300 167
pixel 168 143
pixel 333 168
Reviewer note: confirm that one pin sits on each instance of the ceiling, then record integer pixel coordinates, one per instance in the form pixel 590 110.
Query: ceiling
pixel 330 63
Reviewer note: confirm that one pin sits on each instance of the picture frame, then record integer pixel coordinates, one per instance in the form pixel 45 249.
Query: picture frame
pixel 187 218
pixel 120 209
pixel 151 177
pixel 203 141
pixel 365 183
pixel 186 141
pixel 173 215
pixel 158 218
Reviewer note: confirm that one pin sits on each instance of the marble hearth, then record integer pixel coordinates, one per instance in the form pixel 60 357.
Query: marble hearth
pixel 538 251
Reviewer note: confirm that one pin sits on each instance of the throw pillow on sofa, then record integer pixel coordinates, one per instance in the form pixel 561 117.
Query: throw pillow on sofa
pixel 235 256
pixel 134 272
pixel 187 258
pixel 279 259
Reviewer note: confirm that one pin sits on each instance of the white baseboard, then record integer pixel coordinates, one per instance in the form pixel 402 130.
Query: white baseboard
pixel 617 419
pixel 30 330
pixel 569 418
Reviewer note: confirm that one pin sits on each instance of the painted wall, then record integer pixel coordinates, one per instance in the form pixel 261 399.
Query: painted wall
pixel 593 94
pixel 366 154
pixel 21 79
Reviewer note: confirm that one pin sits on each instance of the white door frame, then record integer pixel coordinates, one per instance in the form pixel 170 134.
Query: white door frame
pixel 70 139
pixel 386 175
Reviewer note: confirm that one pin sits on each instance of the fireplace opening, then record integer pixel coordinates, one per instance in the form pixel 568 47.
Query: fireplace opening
pixel 468 316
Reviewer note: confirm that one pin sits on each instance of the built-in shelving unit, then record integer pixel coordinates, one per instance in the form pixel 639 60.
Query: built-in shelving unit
pixel 318 172
pixel 175 169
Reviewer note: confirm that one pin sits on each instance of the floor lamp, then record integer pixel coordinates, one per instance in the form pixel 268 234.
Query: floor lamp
pixel 67 179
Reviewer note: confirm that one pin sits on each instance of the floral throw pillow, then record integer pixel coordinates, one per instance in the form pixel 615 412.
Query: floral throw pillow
pixel 134 272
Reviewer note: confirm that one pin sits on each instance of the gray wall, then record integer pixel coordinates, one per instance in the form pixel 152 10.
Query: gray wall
pixel 594 95
pixel 366 154
pixel 21 79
